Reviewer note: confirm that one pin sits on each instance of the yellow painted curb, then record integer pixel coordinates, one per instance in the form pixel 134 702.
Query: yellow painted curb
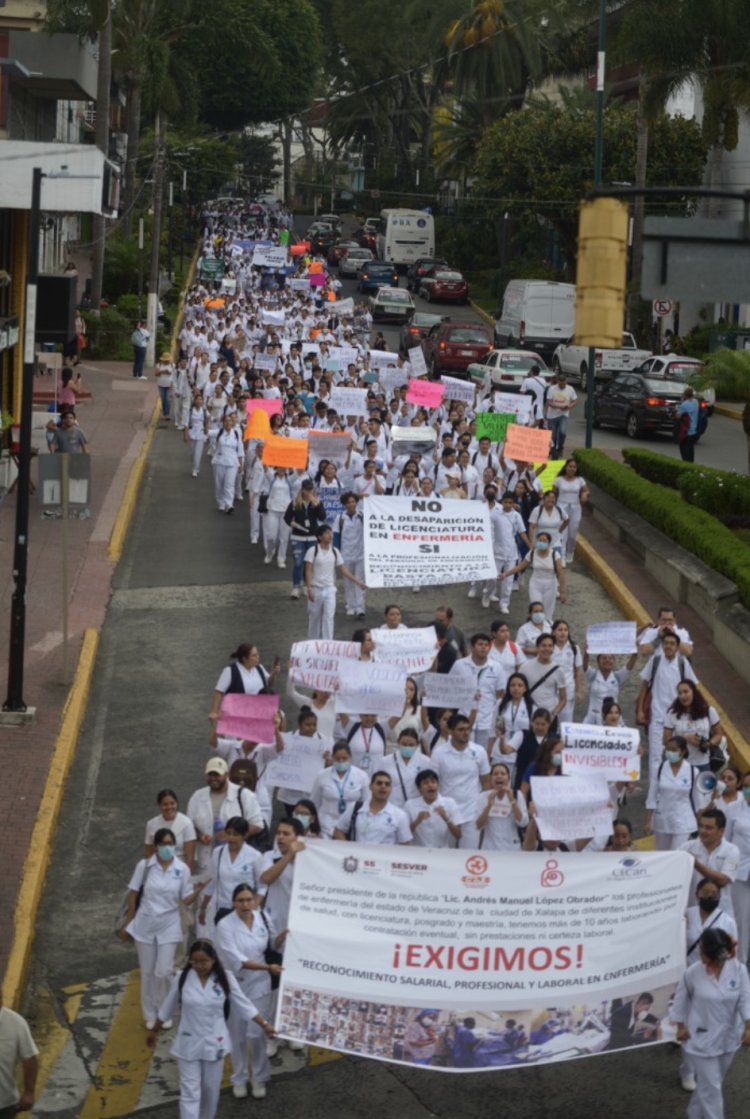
pixel 40 852
pixel 630 606
pixel 129 498
pixel 484 314
pixel 725 410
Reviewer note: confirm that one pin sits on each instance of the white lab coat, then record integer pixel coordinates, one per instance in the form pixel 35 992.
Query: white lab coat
pixel 203 1034
pixel 713 1009
pixel 158 916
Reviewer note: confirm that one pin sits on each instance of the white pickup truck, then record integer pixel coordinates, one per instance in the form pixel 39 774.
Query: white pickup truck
pixel 574 360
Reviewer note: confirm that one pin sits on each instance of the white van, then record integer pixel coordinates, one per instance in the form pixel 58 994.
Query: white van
pixel 536 315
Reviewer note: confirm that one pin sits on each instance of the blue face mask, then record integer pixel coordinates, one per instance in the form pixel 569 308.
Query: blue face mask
pixel 557 760
pixel 304 820
pixel 341 767
pixel 165 851
pixel 409 751
pixel 542 546
pixel 672 756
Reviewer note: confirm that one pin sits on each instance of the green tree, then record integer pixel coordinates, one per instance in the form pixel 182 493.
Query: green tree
pixel 540 162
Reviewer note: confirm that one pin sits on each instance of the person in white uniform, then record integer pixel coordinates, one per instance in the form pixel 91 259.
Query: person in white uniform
pixel 207 997
pixel 488 677
pixel 196 432
pixel 547 582
pixel 243 939
pixel 501 812
pixel 715 857
pixel 232 862
pixel 210 807
pixel 158 887
pixel 431 815
pixel 336 787
pixel 660 676
pixel 712 1012
pixel 738 832
pixel 277 871
pixel 604 682
pixel 322 561
pixel 463 769
pixel 349 528
pixel 671 799
pixel 227 462
pixel 572 494
pixel 377 821
pixel 17 1046
pixel 404 765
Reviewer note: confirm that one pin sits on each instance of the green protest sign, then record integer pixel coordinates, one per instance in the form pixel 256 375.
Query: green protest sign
pixel 494 425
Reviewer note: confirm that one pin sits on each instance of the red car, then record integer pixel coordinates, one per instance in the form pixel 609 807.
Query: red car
pixel 439 284
pixel 367 235
pixel 451 347
pixel 340 249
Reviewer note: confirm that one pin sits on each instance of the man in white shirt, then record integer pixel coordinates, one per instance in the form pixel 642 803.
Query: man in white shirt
pixel 649 639
pixel 660 676
pixel 210 807
pixel 489 679
pixel 561 399
pixel 379 821
pixel 16 1047
pixel 431 815
pixel 715 857
pixel 535 386
pixel 463 770
pixel 321 563
pixel 277 871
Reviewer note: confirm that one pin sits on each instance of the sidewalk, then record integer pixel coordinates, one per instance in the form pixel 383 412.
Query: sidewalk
pixel 115 422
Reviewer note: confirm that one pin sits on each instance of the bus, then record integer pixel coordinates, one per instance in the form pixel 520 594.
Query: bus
pixel 405 236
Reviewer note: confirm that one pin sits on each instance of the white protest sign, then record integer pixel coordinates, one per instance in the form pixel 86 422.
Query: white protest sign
pixel 414 542
pixel 298 284
pixel 299 763
pixel 333 446
pixel 412 440
pixel 414 649
pixel 315 663
pixel 417 361
pixel 370 689
pixel 543 935
pixel 348 355
pixel 609 752
pixel 391 379
pixel 272 318
pixel 380 359
pixel 610 638
pixel 344 307
pixel 349 402
pixel 270 257
pixel 443 690
pixel 310 348
pixel 570 808
pixel 458 390
pixel 520 406
pixel 265 361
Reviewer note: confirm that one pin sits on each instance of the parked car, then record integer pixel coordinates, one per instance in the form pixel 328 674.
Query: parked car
pixel 375 274
pixel 339 248
pixel 536 315
pixel 367 234
pixel 574 360
pixel 353 259
pixel 417 328
pixel 677 367
pixel 440 285
pixel 506 369
pixel 637 404
pixel 451 347
pixel 390 303
pixel 419 268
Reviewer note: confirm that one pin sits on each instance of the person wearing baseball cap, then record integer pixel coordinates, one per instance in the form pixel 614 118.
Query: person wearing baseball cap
pixel 211 806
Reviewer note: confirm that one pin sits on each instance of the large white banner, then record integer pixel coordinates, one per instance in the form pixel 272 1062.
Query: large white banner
pixel 270 257
pixel 426 542
pixel 413 648
pixel 465 961
pixel 610 752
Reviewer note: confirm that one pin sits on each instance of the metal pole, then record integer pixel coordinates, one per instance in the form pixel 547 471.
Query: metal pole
pixel 65 498
pixel 598 160
pixel 169 233
pixel 152 301
pixel 14 700
pixel 140 268
pixel 182 219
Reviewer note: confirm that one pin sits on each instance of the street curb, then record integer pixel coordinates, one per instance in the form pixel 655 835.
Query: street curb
pixel 607 577
pixel 130 496
pixel 725 410
pixel 38 857
pixel 484 314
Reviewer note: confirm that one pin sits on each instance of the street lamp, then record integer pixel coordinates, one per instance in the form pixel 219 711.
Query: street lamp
pixel 598 161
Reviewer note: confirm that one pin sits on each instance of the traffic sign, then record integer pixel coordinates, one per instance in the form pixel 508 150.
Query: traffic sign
pixel 662 307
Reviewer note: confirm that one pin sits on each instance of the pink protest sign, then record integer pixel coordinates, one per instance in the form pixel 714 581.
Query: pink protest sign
pixel 249 716
pixel 318 280
pixel 428 394
pixel 270 407
pixel 527 444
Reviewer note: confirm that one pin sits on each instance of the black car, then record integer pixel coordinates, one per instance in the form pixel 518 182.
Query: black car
pixel 417 269
pixel 416 328
pixel 638 404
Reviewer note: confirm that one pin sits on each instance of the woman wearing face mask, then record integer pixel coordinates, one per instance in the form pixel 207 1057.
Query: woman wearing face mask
pixel 403 766
pixel 501 812
pixel 306 815
pixel 712 1012
pixel 547 582
pixel 338 786
pixel 604 681
pixel 535 625
pixel 242 940
pixel 738 832
pixel 727 795
pixel 548 518
pixel 670 808
pixel 697 722
pixel 707 914
pixel 159 886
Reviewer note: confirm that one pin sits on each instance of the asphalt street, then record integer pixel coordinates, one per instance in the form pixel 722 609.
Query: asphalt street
pixel 190 587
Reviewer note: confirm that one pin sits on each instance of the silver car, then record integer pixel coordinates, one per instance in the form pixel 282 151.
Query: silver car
pixel 350 264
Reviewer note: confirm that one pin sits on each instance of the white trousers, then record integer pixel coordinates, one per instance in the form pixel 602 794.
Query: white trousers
pixel 354 596
pixel 655 747
pixel 670 841
pixel 569 537
pixel 225 478
pixel 181 409
pixel 200 1085
pixel 196 453
pixel 249 1036
pixel 469 840
pixel 156 962
pixel 504 563
pixel 741 904
pixel 275 534
pixel 252 502
pixel 543 588
pixel 707 1102
pixel 320 613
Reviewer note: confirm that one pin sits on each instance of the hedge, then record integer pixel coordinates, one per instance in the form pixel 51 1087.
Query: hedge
pixel 721 492
pixel 695 530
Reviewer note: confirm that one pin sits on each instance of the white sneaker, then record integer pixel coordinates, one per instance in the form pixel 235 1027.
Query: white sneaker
pixel 268 559
pixel 239 1091
pixel 472 593
pixel 416 590
pixel 257 1090
pixel 272 1047
pixel 297 1046
pixel 150 1023
pixel 350 611
pixel 688 1082
pixel 494 598
pixel 295 592
pixel 282 563
pixel 143 377
pixel 167 1025
pixel 486 601
pixel 253 539
pixel 505 610
pixel 195 473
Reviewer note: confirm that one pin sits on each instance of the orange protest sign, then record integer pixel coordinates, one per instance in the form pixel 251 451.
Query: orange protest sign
pixel 258 425
pixel 527 444
pixel 280 451
pixel 316 267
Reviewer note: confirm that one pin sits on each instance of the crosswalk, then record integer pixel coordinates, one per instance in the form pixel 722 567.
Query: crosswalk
pixel 94 1063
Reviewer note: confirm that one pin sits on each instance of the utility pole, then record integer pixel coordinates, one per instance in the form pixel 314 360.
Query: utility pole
pixel 152 307
pixel 103 83
pixel 183 200
pixel 169 234
pixel 598 161
pixel 14 702
pixel 140 268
